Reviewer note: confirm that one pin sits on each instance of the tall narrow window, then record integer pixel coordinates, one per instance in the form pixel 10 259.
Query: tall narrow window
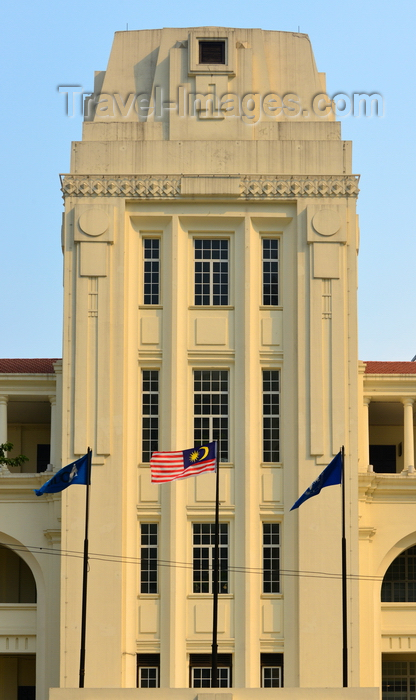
pixel 271 670
pixel 203 557
pixel 151 271
pixel 148 666
pixel 271 558
pixel 148 558
pixel 270 271
pixel 271 416
pixel 211 272
pixel 211 409
pixel 150 413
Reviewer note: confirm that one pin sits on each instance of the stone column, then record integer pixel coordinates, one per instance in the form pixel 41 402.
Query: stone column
pixel 409 460
pixel 52 400
pixel 3 418
pixel 366 445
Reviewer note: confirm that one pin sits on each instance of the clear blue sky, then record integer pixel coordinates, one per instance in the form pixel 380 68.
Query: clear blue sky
pixel 362 46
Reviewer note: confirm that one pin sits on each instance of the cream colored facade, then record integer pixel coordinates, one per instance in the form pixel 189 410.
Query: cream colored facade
pixel 386 506
pixel 176 175
pixel 30 400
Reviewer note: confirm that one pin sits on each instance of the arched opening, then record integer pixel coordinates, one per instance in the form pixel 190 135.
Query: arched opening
pixel 398 598
pixel 17 627
pixel 17 583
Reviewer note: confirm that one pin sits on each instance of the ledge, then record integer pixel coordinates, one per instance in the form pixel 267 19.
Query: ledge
pixel 214 694
pixel 390 488
pixel 239 187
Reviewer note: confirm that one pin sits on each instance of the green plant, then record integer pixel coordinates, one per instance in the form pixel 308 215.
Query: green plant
pixel 10 461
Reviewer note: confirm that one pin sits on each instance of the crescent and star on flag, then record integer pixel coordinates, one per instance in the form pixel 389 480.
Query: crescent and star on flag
pixel 195 455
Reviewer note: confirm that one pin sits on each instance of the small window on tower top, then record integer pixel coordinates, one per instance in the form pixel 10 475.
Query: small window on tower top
pixel 212 52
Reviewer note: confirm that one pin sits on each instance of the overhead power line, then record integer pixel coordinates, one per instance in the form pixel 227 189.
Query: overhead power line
pixel 120 559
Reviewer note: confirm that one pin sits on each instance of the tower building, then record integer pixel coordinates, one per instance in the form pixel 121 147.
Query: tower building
pixel 210 247
pixel 210 244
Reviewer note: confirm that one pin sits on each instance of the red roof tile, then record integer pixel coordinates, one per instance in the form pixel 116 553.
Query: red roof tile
pixel 390 368
pixel 27 366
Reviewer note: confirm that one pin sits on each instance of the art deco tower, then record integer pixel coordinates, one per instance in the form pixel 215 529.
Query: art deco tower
pixel 210 245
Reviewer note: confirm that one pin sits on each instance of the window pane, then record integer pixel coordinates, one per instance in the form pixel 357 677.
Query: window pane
pixel 151 277
pixel 271 416
pixel 212 52
pixel 211 410
pixel 399 583
pixel 271 558
pixel 150 413
pixel 201 677
pixel 271 670
pixel 203 557
pixel 148 666
pixel 148 678
pixel 148 558
pixel 398 680
pixel 211 275
pixel 270 266
pixel 271 677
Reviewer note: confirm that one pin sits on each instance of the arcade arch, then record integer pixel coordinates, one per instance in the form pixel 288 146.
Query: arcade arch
pixel 18 612
pixel 398 624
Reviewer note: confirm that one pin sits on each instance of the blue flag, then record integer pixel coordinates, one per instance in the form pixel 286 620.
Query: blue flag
pixel 74 473
pixel 331 475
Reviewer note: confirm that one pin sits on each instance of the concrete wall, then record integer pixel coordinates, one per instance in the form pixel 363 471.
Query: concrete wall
pixel 213 694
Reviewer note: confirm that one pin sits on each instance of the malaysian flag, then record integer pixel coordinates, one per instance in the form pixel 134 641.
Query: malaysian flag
pixel 168 466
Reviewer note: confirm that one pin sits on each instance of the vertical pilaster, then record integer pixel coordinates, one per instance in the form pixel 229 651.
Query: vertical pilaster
pixel 366 431
pixel 52 401
pixel 3 418
pixel 247 442
pixel 130 539
pixel 409 448
pixel 57 435
pixel 330 317
pixel 175 392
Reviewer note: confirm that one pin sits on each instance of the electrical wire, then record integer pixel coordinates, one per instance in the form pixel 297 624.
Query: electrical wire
pixel 120 559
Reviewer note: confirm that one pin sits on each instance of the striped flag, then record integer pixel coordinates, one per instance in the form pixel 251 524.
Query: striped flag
pixel 168 466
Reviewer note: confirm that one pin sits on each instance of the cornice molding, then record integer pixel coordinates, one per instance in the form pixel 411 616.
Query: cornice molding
pixel 387 488
pixel 39 385
pixel 170 186
pixel 387 387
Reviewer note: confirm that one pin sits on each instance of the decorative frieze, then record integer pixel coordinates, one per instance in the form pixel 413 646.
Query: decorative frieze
pixel 314 186
pixel 251 186
pixel 159 187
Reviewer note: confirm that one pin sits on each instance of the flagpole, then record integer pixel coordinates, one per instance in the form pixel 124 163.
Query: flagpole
pixel 214 659
pixel 344 583
pixel 85 578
